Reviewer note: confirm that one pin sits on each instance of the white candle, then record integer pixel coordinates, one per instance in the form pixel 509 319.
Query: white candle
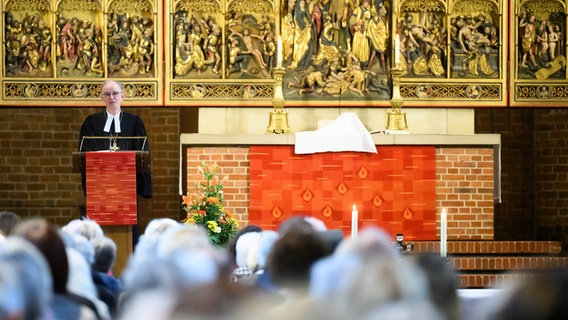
pixel 279 52
pixel 354 222
pixel 443 233
pixel 397 50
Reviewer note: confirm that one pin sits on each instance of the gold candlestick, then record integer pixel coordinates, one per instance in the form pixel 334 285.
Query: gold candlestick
pixel 278 122
pixel 396 118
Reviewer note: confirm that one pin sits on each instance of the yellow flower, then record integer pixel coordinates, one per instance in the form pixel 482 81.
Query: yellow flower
pixel 189 221
pixel 213 226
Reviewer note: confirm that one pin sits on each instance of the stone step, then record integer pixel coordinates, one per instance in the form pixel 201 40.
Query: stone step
pixel 497 263
pixel 483 247
pixel 485 264
pixel 471 281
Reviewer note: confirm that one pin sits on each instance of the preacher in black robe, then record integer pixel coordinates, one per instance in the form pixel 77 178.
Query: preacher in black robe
pixel 131 125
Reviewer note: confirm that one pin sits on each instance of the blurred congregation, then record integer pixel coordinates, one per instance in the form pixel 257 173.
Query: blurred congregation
pixel 302 270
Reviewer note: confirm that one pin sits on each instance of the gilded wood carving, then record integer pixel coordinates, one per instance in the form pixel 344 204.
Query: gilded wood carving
pixel 335 52
pixel 539 57
pixel 60 52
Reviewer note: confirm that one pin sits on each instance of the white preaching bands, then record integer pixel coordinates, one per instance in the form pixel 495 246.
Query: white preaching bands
pixel 109 120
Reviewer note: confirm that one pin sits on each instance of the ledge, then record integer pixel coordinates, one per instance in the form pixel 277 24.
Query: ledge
pixel 379 139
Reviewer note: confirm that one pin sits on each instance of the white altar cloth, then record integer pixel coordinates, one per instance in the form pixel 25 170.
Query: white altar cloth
pixel 346 133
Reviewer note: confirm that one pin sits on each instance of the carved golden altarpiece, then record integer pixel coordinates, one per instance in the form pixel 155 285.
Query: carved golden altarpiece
pixel 460 53
pixel 60 52
pixel 538 58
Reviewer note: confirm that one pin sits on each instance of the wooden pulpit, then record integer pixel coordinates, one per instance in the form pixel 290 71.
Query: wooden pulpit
pixel 111 198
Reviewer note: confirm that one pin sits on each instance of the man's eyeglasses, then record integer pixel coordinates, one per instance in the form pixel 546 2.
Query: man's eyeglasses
pixel 115 94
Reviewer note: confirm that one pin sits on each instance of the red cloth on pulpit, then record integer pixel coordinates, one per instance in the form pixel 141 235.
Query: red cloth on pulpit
pixel 111 187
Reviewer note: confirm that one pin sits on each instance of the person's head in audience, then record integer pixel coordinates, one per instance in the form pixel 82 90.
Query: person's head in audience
pixel 105 254
pixel 443 283
pixel 364 275
pixel 8 220
pixel 294 222
pixel 87 228
pixel 246 253
pixel 184 259
pixel 537 296
pixel 25 281
pixel 79 243
pixel 158 226
pixel 293 254
pixel 146 246
pixel 231 248
pixel 44 236
pixel 370 241
pixel 183 256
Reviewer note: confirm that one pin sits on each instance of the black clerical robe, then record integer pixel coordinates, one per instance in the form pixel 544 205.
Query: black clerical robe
pixel 131 125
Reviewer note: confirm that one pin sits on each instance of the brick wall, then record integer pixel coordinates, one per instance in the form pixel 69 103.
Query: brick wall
pixel 464 185
pixel 36 177
pixel 234 164
pixel 551 174
pixel 534 172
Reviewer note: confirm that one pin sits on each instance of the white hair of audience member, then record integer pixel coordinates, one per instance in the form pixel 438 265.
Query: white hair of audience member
pixel 87 228
pixel 252 249
pixel 183 257
pixel 365 274
pixel 155 304
pixel 25 265
pixel 246 250
pixel 80 281
pixel 316 223
pixel 189 247
pixel 79 243
pixel 267 240
pixel 182 271
pixel 159 225
pixel 371 240
pixel 150 274
pixel 147 243
pixel 105 254
pixel 188 237
pixel 198 267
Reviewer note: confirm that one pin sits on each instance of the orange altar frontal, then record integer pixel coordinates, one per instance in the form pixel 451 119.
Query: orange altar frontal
pixel 401 189
pixel 393 189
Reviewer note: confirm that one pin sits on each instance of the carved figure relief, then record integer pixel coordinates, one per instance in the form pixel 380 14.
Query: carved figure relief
pixel 475 43
pixel 28 39
pixel 541 40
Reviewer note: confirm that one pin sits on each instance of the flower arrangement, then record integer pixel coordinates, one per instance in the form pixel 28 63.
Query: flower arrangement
pixel 205 207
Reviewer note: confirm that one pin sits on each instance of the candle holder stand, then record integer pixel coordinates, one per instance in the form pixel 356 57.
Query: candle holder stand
pixel 278 121
pixel 396 118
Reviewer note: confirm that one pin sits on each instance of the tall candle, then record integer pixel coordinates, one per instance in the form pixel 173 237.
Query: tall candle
pixel 443 233
pixel 354 222
pixel 279 52
pixel 397 50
